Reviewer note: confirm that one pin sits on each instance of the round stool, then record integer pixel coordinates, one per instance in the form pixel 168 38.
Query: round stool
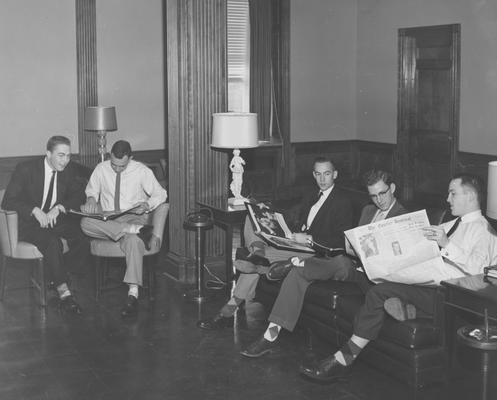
pixel 483 338
pixel 199 223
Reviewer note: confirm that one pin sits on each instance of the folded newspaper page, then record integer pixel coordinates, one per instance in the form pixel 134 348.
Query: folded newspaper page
pixel 272 227
pixel 395 250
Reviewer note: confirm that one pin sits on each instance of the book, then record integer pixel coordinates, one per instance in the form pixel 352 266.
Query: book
pixel 272 227
pixel 104 215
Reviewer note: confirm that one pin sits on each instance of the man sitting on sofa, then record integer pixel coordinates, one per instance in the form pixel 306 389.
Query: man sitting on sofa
pixel 288 304
pixel 467 244
pixel 325 216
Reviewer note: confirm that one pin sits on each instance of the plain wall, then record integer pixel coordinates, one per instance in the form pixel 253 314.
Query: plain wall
pixel 323 70
pixel 378 24
pixel 131 69
pixel 38 75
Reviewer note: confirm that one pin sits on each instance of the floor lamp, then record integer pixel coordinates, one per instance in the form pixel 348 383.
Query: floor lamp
pixel 235 131
pixel 101 120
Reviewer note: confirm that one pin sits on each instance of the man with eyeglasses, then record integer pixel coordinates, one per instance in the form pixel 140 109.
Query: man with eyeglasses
pixel 288 305
pixel 467 244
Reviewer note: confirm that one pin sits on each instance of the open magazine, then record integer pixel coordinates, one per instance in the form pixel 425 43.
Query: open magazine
pixel 104 215
pixel 272 227
pixel 395 250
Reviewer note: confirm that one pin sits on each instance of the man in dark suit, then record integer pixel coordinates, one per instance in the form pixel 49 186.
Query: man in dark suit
pixel 288 305
pixel 324 216
pixel 42 191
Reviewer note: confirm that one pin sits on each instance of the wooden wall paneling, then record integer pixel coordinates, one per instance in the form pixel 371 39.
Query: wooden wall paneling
pixel 196 87
pixel 86 54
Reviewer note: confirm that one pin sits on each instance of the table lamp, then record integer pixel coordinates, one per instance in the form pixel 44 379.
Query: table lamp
pixel 235 131
pixel 492 190
pixel 101 119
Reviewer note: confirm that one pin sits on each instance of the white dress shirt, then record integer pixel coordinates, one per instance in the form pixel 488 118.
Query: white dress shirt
pixel 138 184
pixel 471 247
pixel 317 205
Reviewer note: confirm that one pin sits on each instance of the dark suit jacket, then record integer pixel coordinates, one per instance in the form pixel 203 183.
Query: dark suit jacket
pixel 333 218
pixel 369 211
pixel 25 190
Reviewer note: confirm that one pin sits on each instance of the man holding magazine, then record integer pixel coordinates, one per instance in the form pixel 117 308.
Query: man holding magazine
pixel 288 305
pixel 467 244
pixel 325 215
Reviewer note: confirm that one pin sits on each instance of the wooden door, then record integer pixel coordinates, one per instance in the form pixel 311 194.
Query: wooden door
pixel 428 112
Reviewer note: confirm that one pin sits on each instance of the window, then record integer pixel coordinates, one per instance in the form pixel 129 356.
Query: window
pixel 238 56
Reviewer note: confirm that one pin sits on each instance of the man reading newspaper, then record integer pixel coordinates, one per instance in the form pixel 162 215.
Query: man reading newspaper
pixel 325 215
pixel 467 245
pixel 288 304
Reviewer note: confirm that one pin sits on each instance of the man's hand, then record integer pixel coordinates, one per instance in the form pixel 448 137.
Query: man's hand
pixel 52 215
pixel 302 238
pixel 41 217
pixel 437 234
pixel 142 208
pixel 91 206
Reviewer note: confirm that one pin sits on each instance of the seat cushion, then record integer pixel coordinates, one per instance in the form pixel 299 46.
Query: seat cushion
pixel 29 251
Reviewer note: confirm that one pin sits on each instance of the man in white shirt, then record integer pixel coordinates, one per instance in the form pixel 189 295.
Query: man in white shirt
pixel 467 244
pixel 120 184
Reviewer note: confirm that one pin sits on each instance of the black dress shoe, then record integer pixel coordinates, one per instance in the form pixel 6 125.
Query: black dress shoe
pixel 279 270
pixel 259 348
pixel 145 234
pixel 131 307
pixel 69 305
pixel 326 370
pixel 217 322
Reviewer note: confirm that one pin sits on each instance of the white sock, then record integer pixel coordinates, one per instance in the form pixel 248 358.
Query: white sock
pixel 133 290
pixel 272 332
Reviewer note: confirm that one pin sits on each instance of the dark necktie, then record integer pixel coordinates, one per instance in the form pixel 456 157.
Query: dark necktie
pixel 454 227
pixel 48 200
pixel 117 192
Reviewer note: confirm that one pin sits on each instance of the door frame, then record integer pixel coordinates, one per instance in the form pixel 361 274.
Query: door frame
pixel 406 100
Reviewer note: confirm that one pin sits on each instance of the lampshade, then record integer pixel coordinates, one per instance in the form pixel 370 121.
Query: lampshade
pixel 100 118
pixel 234 130
pixel 492 190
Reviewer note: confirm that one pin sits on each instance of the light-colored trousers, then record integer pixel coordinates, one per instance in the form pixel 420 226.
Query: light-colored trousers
pixel 246 283
pixel 131 245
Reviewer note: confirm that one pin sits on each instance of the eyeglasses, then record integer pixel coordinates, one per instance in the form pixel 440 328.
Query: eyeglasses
pixel 380 195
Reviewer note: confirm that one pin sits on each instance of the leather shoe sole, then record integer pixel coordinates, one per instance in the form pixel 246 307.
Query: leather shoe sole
pixel 326 371
pixel 399 310
pixel 216 323
pixel 145 234
pixel 279 270
pixel 259 348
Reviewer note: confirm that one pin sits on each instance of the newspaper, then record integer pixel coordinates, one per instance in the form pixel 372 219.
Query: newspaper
pixel 395 250
pixel 272 227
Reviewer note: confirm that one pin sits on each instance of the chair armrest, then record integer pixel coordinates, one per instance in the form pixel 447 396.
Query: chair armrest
pixel 159 216
pixel 8 231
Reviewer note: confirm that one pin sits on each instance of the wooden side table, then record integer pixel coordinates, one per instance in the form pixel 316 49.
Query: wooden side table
pixel 227 217
pixel 477 296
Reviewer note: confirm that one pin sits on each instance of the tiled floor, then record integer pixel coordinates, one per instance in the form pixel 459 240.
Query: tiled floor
pixel 162 354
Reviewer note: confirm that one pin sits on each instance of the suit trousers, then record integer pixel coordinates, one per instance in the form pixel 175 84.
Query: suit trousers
pixel 288 305
pixel 131 245
pixel 48 241
pixel 369 319
pixel 247 283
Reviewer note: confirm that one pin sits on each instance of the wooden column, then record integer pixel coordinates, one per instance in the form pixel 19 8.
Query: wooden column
pixel 195 34
pixel 86 54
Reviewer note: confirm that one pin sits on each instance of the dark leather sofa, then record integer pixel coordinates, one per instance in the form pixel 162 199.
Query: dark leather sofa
pixel 411 351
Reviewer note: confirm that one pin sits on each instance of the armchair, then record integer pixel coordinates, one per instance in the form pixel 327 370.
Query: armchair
pixel 14 249
pixel 103 249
